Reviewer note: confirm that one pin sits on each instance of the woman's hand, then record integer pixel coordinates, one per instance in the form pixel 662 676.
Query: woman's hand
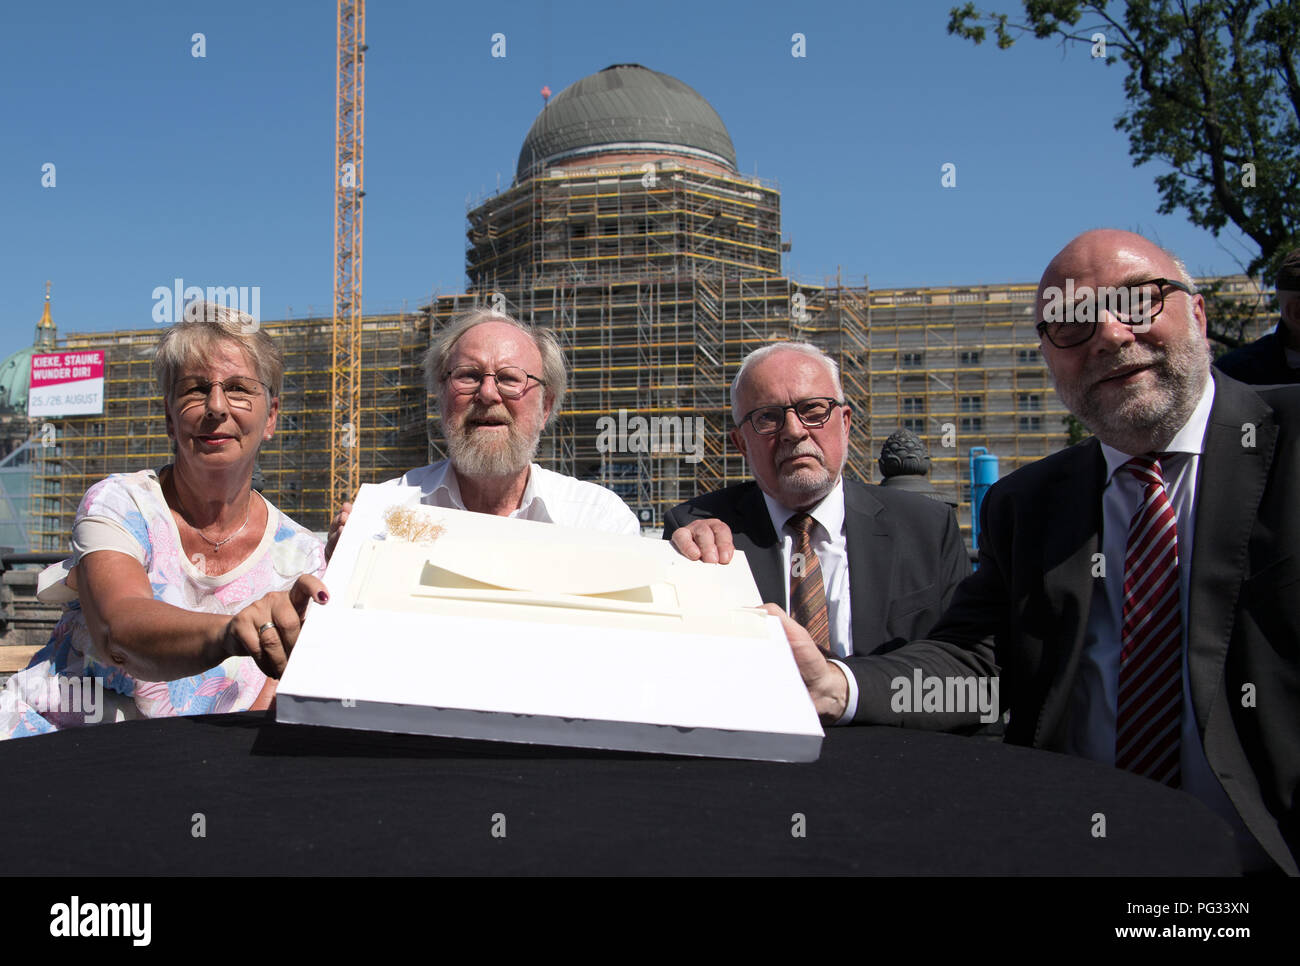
pixel 267 629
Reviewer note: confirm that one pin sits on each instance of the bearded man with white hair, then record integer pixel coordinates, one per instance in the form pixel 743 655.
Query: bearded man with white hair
pixel 499 383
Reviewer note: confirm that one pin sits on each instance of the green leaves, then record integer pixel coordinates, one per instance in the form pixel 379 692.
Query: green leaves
pixel 1214 97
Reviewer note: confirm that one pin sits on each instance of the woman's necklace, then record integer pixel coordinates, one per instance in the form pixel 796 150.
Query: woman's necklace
pixel 218 544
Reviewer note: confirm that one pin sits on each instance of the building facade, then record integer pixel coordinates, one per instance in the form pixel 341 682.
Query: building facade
pixel 630 232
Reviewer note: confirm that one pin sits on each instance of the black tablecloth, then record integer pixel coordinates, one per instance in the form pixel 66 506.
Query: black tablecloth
pixel 272 798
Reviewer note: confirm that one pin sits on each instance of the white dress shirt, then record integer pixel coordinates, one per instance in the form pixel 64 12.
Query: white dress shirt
pixel 830 543
pixel 1094 698
pixel 549 498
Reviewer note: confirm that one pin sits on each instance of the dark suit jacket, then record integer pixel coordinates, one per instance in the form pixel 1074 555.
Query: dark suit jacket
pixel 1260 363
pixel 906 555
pixel 1026 608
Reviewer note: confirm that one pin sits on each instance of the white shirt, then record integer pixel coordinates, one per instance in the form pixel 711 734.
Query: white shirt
pixel 1094 698
pixel 830 543
pixel 549 498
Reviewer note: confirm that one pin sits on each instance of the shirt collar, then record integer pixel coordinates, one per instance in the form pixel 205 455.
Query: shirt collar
pixel 829 512
pixel 531 496
pixel 444 478
pixel 1189 439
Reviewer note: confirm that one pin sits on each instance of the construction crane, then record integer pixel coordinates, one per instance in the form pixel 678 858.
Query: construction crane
pixel 345 371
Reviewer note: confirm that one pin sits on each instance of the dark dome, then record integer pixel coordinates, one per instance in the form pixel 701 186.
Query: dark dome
pixel 630 107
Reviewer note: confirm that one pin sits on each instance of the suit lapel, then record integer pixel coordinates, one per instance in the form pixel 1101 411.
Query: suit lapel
pixel 1223 528
pixel 871 563
pixel 757 537
pixel 1233 476
pixel 1071 515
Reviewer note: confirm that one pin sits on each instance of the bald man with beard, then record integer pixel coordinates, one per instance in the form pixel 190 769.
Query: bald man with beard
pixel 1138 593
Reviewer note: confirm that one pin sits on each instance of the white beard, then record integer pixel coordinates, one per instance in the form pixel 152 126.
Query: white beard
pixel 478 453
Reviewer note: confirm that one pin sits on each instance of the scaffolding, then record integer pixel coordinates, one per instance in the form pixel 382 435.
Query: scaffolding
pixel 960 367
pixel 658 279
pixel 294 464
pixel 603 223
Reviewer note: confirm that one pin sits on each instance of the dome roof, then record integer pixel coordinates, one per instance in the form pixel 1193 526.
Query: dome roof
pixel 15 379
pixel 16 371
pixel 625 107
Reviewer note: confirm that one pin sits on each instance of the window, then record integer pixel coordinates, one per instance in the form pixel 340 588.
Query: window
pixel 1031 424
pixel 913 404
pixel 969 357
pixel 972 424
pixel 1027 357
pixel 914 425
pixel 1029 400
pixel 972 404
pixel 913 360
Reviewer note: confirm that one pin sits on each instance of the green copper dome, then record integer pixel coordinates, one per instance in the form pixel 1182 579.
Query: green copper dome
pixel 15 379
pixel 625 107
pixel 16 371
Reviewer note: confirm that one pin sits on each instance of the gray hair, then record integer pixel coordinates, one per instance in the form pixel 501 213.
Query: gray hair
pixel 761 353
pixel 554 371
pixel 202 326
pixel 1184 275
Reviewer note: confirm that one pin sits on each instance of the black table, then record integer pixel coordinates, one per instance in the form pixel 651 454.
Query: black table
pixel 291 799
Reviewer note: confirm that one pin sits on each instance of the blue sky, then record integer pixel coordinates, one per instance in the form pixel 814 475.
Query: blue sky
pixel 218 169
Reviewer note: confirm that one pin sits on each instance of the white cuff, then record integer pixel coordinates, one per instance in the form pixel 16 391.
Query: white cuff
pixel 851 706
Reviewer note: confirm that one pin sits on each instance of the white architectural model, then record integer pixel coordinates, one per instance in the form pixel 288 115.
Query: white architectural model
pixel 471 625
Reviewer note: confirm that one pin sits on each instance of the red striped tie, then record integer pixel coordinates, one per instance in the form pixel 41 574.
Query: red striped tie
pixel 807 590
pixel 1148 718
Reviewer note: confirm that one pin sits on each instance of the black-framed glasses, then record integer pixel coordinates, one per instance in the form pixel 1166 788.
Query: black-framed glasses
pixel 512 382
pixel 1070 324
pixel 240 391
pixel 813 412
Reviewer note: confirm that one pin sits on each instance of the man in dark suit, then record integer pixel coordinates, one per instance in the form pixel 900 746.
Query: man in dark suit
pixel 1273 359
pixel 903 551
pixel 1138 593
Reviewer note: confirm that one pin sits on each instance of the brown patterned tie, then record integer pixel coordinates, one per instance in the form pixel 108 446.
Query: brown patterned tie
pixel 807 590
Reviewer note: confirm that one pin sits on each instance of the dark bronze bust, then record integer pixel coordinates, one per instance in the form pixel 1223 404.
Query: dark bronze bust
pixel 904 464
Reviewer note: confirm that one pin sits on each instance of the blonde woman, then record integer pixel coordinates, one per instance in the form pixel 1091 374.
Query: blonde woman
pixel 185 589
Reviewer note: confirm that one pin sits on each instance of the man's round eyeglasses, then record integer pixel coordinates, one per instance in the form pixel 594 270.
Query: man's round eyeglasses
pixel 1137 305
pixel 512 382
pixel 814 412
pixel 240 391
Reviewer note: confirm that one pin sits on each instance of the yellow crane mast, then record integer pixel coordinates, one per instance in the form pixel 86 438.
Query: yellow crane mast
pixel 345 372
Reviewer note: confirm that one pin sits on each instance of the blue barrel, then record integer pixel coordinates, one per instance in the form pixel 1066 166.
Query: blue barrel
pixel 983 474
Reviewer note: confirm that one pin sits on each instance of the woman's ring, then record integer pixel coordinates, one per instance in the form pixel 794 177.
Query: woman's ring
pixel 264 627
